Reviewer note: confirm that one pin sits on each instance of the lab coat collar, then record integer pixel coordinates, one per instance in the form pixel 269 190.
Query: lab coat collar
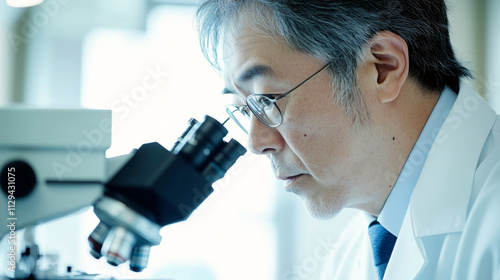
pixel 456 150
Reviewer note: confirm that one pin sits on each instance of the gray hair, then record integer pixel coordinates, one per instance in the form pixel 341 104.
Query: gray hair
pixel 336 31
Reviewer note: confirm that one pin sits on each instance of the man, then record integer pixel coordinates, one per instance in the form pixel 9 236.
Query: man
pixel 360 104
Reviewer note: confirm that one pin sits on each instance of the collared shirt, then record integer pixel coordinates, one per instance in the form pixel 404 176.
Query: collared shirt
pixel 394 210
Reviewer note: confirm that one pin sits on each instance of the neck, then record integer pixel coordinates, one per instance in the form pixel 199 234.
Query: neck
pixel 400 123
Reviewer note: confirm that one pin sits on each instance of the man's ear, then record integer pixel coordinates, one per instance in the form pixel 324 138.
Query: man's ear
pixel 388 53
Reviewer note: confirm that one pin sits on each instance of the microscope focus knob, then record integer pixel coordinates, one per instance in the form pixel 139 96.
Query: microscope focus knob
pixel 17 177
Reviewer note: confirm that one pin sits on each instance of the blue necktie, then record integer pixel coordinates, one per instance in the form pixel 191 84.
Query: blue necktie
pixel 382 245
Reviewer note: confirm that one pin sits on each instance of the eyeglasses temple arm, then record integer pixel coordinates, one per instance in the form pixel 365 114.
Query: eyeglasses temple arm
pixel 312 76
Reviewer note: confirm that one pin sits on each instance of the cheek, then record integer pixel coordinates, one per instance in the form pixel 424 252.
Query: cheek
pixel 315 120
pixel 320 137
pixel 314 145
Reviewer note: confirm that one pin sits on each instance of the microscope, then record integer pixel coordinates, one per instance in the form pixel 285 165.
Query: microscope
pixel 53 163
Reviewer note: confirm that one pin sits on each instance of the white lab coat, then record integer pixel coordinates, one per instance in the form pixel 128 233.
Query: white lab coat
pixel 452 226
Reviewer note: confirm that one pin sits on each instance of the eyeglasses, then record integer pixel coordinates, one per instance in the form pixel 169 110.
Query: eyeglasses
pixel 263 106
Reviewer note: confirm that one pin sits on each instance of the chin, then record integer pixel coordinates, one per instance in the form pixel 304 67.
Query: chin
pixel 321 209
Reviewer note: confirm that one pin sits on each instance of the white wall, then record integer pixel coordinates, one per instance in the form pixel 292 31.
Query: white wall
pixel 475 35
pixel 491 79
pixel 8 17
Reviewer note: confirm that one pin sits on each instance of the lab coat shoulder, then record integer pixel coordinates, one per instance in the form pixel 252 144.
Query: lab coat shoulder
pixel 479 249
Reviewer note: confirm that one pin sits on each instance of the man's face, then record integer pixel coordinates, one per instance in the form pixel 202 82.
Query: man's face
pixel 316 151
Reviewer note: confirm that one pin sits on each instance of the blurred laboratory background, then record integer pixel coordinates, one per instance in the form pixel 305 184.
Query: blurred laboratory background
pixel 141 59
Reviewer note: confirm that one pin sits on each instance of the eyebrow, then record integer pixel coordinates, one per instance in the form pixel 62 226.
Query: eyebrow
pixel 252 73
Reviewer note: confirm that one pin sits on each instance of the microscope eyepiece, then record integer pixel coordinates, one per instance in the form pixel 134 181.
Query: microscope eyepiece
pixel 206 139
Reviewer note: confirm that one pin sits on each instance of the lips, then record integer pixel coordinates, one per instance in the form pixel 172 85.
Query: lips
pixel 292 177
pixel 286 171
pixel 290 181
pixel 287 175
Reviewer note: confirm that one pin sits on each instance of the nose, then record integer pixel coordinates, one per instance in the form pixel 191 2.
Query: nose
pixel 263 139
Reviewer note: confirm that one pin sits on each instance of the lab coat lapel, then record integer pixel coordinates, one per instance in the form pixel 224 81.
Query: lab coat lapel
pixel 408 256
pixel 439 202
